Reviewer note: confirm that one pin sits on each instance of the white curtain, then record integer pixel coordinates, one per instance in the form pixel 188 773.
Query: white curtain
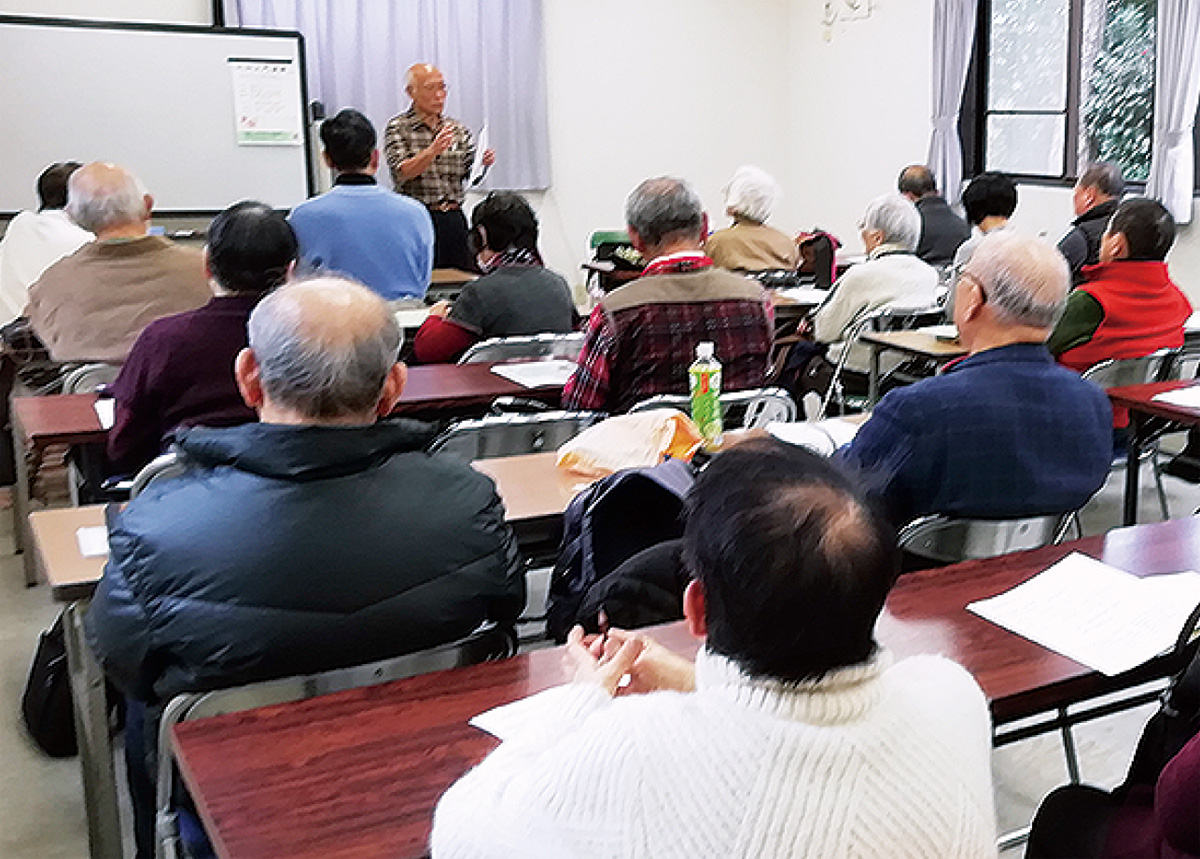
pixel 953 33
pixel 1172 171
pixel 490 52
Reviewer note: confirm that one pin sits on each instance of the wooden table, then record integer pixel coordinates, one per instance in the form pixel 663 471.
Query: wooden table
pixel 1147 417
pixel 535 492
pixel 358 773
pixel 458 390
pixel 917 342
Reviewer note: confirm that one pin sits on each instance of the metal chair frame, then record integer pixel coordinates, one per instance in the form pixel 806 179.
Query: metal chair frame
pixel 566 346
pixel 1159 366
pixel 948 541
pixel 757 406
pixel 511 434
pixel 886 318
pixel 487 643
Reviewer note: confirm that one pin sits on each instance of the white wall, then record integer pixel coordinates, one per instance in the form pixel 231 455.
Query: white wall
pixel 153 11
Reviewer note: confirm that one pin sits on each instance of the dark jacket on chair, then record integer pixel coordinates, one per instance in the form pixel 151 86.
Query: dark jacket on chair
pixel 285 550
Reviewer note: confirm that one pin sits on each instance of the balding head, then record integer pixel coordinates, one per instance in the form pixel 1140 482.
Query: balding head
pixel 663 214
pixel 108 200
pixel 427 88
pixel 1017 285
pixel 322 351
pixel 916 181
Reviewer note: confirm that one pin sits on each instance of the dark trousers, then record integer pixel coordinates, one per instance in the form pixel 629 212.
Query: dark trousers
pixel 450 249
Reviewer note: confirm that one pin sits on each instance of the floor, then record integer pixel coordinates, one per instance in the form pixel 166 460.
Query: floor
pixel 41 808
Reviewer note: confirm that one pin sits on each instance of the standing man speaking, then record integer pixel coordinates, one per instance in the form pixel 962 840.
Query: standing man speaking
pixel 430 156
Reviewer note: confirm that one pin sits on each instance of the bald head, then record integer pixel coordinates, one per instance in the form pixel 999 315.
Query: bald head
pixel 324 349
pixel 1022 281
pixel 427 88
pixel 108 200
pixel 916 181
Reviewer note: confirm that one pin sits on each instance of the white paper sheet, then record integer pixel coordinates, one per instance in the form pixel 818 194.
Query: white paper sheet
pixel 478 168
pixel 537 374
pixel 1188 398
pixel 106 409
pixel 413 318
pixel 941 332
pixel 92 540
pixel 1193 322
pixel 804 294
pixel 822 437
pixel 1099 616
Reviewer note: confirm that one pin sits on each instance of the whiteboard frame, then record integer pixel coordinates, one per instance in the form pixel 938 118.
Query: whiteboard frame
pixel 194 29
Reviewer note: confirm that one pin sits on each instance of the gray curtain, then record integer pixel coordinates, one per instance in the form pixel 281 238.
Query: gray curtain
pixel 491 53
pixel 953 33
pixel 1177 92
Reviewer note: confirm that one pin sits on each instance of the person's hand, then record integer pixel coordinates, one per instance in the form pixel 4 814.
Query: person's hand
pixel 489 157
pixel 441 309
pixel 655 669
pixel 600 660
pixel 805 328
pixel 444 139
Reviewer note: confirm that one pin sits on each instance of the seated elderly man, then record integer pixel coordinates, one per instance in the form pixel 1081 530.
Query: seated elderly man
pixel 750 245
pixel 1094 200
pixel 34 241
pixel 891 276
pixel 180 371
pixel 642 337
pixel 315 539
pixel 1004 432
pixel 91 305
pixel 793 734
pixel 942 231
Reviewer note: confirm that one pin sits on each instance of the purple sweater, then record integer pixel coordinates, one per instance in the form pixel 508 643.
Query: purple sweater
pixel 179 373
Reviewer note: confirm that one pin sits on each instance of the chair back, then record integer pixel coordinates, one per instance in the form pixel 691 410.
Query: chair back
pixel 948 541
pixel 165 465
pixel 488 643
pixel 512 434
pixel 754 407
pixel 86 378
pixel 1117 372
pixel 567 346
pixel 886 318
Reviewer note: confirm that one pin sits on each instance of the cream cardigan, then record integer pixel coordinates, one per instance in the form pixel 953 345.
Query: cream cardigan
pixel 872 761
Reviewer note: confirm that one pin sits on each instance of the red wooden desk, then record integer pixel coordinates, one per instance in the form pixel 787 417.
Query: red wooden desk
pixel 457 389
pixel 358 773
pixel 1147 416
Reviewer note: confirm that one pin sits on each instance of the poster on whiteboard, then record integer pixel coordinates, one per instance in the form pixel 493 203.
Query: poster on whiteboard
pixel 266 102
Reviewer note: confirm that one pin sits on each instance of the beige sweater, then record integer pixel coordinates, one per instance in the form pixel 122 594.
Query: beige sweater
pixel 92 305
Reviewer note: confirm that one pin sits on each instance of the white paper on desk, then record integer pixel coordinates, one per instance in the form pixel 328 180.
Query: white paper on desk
pixel 478 168
pixel 1095 614
pixel 412 317
pixel 804 294
pixel 537 374
pixel 821 437
pixel 106 410
pixel 942 332
pixel 1188 398
pixel 92 540
pixel 1193 322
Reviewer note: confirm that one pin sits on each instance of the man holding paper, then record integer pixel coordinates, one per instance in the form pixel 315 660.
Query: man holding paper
pixel 431 157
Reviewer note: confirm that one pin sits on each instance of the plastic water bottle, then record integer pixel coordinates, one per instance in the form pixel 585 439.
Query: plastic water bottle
pixel 705 381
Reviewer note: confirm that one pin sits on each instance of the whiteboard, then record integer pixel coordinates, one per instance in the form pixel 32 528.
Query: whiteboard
pixel 157 100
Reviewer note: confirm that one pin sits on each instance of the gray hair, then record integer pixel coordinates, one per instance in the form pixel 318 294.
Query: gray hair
pixel 103 196
pixel 1025 279
pixel 1105 177
pixel 663 208
pixel 897 218
pixel 751 193
pixel 324 347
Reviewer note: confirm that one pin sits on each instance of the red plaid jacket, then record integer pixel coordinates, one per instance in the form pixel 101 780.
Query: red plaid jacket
pixel 642 337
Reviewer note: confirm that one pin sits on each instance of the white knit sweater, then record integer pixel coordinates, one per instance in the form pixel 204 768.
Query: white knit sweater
pixel 873 761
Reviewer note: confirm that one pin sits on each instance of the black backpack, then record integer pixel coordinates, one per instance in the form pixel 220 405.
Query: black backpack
pixel 607 524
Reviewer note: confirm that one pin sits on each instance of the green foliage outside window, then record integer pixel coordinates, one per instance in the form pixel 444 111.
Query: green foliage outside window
pixel 1118 115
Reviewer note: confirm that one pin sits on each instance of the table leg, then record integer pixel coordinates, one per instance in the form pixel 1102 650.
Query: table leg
pixel 873 377
pixel 1133 467
pixel 95 744
pixel 21 541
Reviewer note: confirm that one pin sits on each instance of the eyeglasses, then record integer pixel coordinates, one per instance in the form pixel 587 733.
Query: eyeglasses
pixel 434 86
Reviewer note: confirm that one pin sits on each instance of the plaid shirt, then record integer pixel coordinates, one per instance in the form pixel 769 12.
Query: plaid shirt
pixel 642 338
pixel 442 182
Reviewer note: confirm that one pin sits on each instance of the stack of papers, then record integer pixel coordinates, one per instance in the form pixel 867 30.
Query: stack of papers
pixel 821 437
pixel 1188 398
pixel 537 374
pixel 1099 616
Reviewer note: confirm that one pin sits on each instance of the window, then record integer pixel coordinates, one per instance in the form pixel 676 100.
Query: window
pixel 1063 83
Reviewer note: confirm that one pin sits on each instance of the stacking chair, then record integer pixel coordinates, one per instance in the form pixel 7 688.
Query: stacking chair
pixel 86 378
pixel 488 643
pixel 942 540
pixel 887 318
pixel 1156 367
pixel 87 462
pixel 566 346
pixel 755 407
pixel 511 434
